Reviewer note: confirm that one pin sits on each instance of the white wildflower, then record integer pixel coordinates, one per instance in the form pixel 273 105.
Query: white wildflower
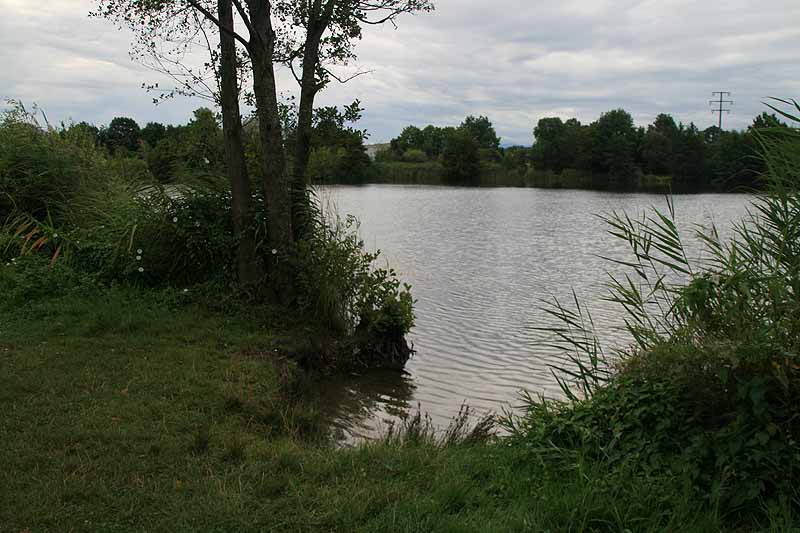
pixel 138 257
pixel 139 251
pixel 141 269
pixel 274 251
pixel 175 219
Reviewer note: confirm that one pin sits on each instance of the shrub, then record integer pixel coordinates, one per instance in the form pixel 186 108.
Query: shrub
pixel 338 284
pixel 415 156
pixel 710 386
pixel 27 279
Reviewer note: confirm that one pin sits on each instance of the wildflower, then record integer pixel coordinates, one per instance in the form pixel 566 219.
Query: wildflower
pixel 274 251
pixel 138 257
pixel 55 235
pixel 139 251
pixel 185 290
pixel 141 269
pixel 174 219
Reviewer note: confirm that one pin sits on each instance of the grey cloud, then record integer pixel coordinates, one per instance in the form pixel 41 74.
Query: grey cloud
pixel 512 60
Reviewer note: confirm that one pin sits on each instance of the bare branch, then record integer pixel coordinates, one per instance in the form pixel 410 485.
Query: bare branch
pixel 348 78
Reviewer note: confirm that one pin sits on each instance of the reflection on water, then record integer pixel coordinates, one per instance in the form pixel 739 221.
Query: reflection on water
pixel 362 405
pixel 480 262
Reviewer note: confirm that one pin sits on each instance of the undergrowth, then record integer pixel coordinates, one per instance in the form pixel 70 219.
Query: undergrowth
pixel 709 387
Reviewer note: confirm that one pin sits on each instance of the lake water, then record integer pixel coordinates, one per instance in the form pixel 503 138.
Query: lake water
pixel 480 262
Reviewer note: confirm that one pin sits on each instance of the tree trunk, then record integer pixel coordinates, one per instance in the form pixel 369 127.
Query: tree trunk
pixel 318 20
pixel 275 173
pixel 305 117
pixel 248 266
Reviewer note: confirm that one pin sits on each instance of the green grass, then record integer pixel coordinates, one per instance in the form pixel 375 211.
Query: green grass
pixel 122 411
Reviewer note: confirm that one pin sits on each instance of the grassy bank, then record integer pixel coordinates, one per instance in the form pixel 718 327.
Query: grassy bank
pixel 142 389
pixel 130 410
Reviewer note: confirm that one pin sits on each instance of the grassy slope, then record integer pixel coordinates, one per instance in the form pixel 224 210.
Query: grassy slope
pixel 122 414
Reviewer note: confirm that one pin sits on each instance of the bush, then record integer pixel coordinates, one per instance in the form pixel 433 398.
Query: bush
pixel 31 278
pixel 709 389
pixel 338 284
pixel 415 156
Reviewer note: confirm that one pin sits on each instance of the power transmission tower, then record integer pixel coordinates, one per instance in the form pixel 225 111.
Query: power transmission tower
pixel 720 105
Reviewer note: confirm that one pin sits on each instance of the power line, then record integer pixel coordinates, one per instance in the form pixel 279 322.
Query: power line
pixel 720 105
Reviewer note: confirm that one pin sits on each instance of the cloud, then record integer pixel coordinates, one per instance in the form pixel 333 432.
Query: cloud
pixel 512 60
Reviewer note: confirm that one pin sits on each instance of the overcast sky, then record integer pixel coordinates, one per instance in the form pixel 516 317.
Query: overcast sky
pixel 513 60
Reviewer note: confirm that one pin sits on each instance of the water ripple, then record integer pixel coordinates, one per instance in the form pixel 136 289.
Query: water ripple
pixel 481 261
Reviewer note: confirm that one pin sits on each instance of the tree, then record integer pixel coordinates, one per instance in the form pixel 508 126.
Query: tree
pixel 665 125
pixel 181 21
pixel 329 29
pixel 163 160
pixel 548 147
pixel 516 158
pixel 202 145
pixel 84 130
pixel 461 158
pixel 690 170
pixel 121 133
pixel 338 153
pixel 767 120
pixel 152 133
pixel 613 146
pixel 481 129
pixel 411 138
pixel 656 153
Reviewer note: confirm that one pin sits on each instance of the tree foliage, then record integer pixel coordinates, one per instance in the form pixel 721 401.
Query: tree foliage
pixel 461 158
pixel 617 154
pixel 122 133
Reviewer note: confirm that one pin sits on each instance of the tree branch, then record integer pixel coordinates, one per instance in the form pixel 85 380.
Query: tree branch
pixel 207 14
pixel 347 79
pixel 243 13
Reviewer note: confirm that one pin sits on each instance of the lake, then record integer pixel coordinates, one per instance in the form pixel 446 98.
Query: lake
pixel 481 261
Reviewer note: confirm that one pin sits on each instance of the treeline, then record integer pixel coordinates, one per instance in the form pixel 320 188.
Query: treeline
pixel 172 153
pixel 461 152
pixel 610 153
pixel 618 155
